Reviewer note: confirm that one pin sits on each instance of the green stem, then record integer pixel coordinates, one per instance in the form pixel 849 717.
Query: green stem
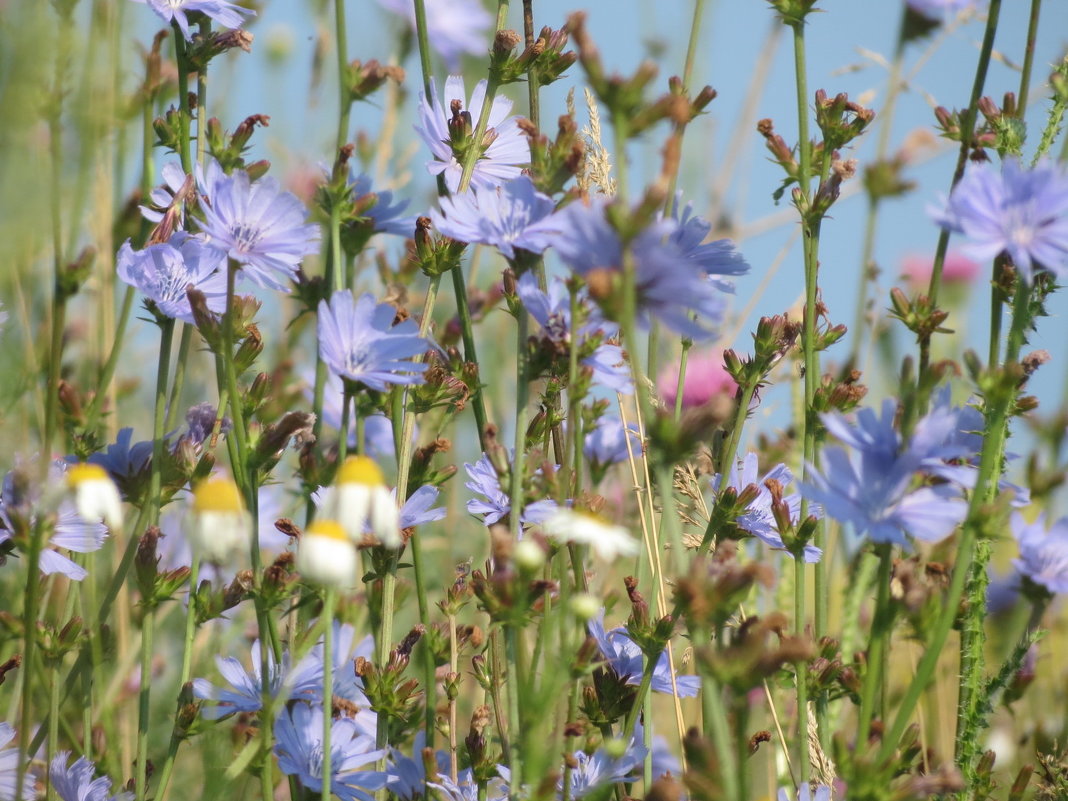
pixel 717 728
pixel 31 612
pixel 522 396
pixel 1029 59
pixel 329 603
pixel 53 725
pixel 148 627
pixel 92 414
pixel 967 128
pixel 880 631
pixel 344 98
pixel 515 726
pixel 681 385
pixel 183 98
pixel 802 671
pixel 180 366
pixel 423 40
pixel 492 84
pixel 478 402
pixel 166 337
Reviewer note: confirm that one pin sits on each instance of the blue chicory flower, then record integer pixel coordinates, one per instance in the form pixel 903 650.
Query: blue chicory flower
pixel 465 788
pixel 386 216
pixel 552 310
pixel 163 196
pixel 1043 552
pixel 257 224
pixel 870 485
pixel 71 532
pixel 606 443
pixel 419 508
pixel 9 770
pixel 758 519
pixel 717 258
pixel 600 769
pixel 407 774
pixel 124 459
pixel 299 735
pixel 624 658
pixel 76 782
pixel 163 272
pixel 1015 210
pixel 227 14
pixel 301 681
pixel 503 157
pixel 454 27
pixel 497 504
pixel 504 216
pixel 673 280
pixel 359 342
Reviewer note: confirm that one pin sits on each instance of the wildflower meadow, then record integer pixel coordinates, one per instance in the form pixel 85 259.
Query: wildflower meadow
pixel 533 400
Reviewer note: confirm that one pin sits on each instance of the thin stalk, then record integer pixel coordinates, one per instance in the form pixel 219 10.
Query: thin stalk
pixel 967 127
pixel 716 727
pixel 533 83
pixel 574 401
pixel 344 98
pixel 166 337
pixel 148 627
pixel 183 98
pixel 59 294
pixel 30 607
pixel 802 672
pixel 329 603
pixel 681 385
pixel 92 413
pixel 180 365
pixel 492 84
pixel 423 41
pixel 1029 58
pixel 522 396
pixel 202 99
pixel 53 727
pixel 873 676
pixel 478 402
pixel 515 751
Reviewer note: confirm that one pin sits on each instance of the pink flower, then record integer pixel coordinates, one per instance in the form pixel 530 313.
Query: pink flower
pixel 957 269
pixel 705 378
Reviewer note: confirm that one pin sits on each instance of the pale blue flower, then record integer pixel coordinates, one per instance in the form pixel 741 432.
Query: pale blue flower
pixel 624 658
pixel 758 518
pixel 124 459
pixel 384 215
pixel 9 770
pixel 502 159
pixel 1043 552
pixel 163 272
pixel 673 281
pixel 227 14
pixel 359 342
pixel 419 508
pixel 497 504
pixel 504 216
pixel 299 748
pixel 377 428
pixel 870 486
pixel 302 681
pixel 454 27
pixel 407 774
pixel 71 532
pixel 606 443
pixel 718 258
pixel 257 224
pixel 599 769
pixel 1015 210
pixel 76 782
pixel 552 310
pixel 465 788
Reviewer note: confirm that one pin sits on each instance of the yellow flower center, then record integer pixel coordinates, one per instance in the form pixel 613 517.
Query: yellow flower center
pixel 360 470
pixel 330 529
pixel 78 474
pixel 217 495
